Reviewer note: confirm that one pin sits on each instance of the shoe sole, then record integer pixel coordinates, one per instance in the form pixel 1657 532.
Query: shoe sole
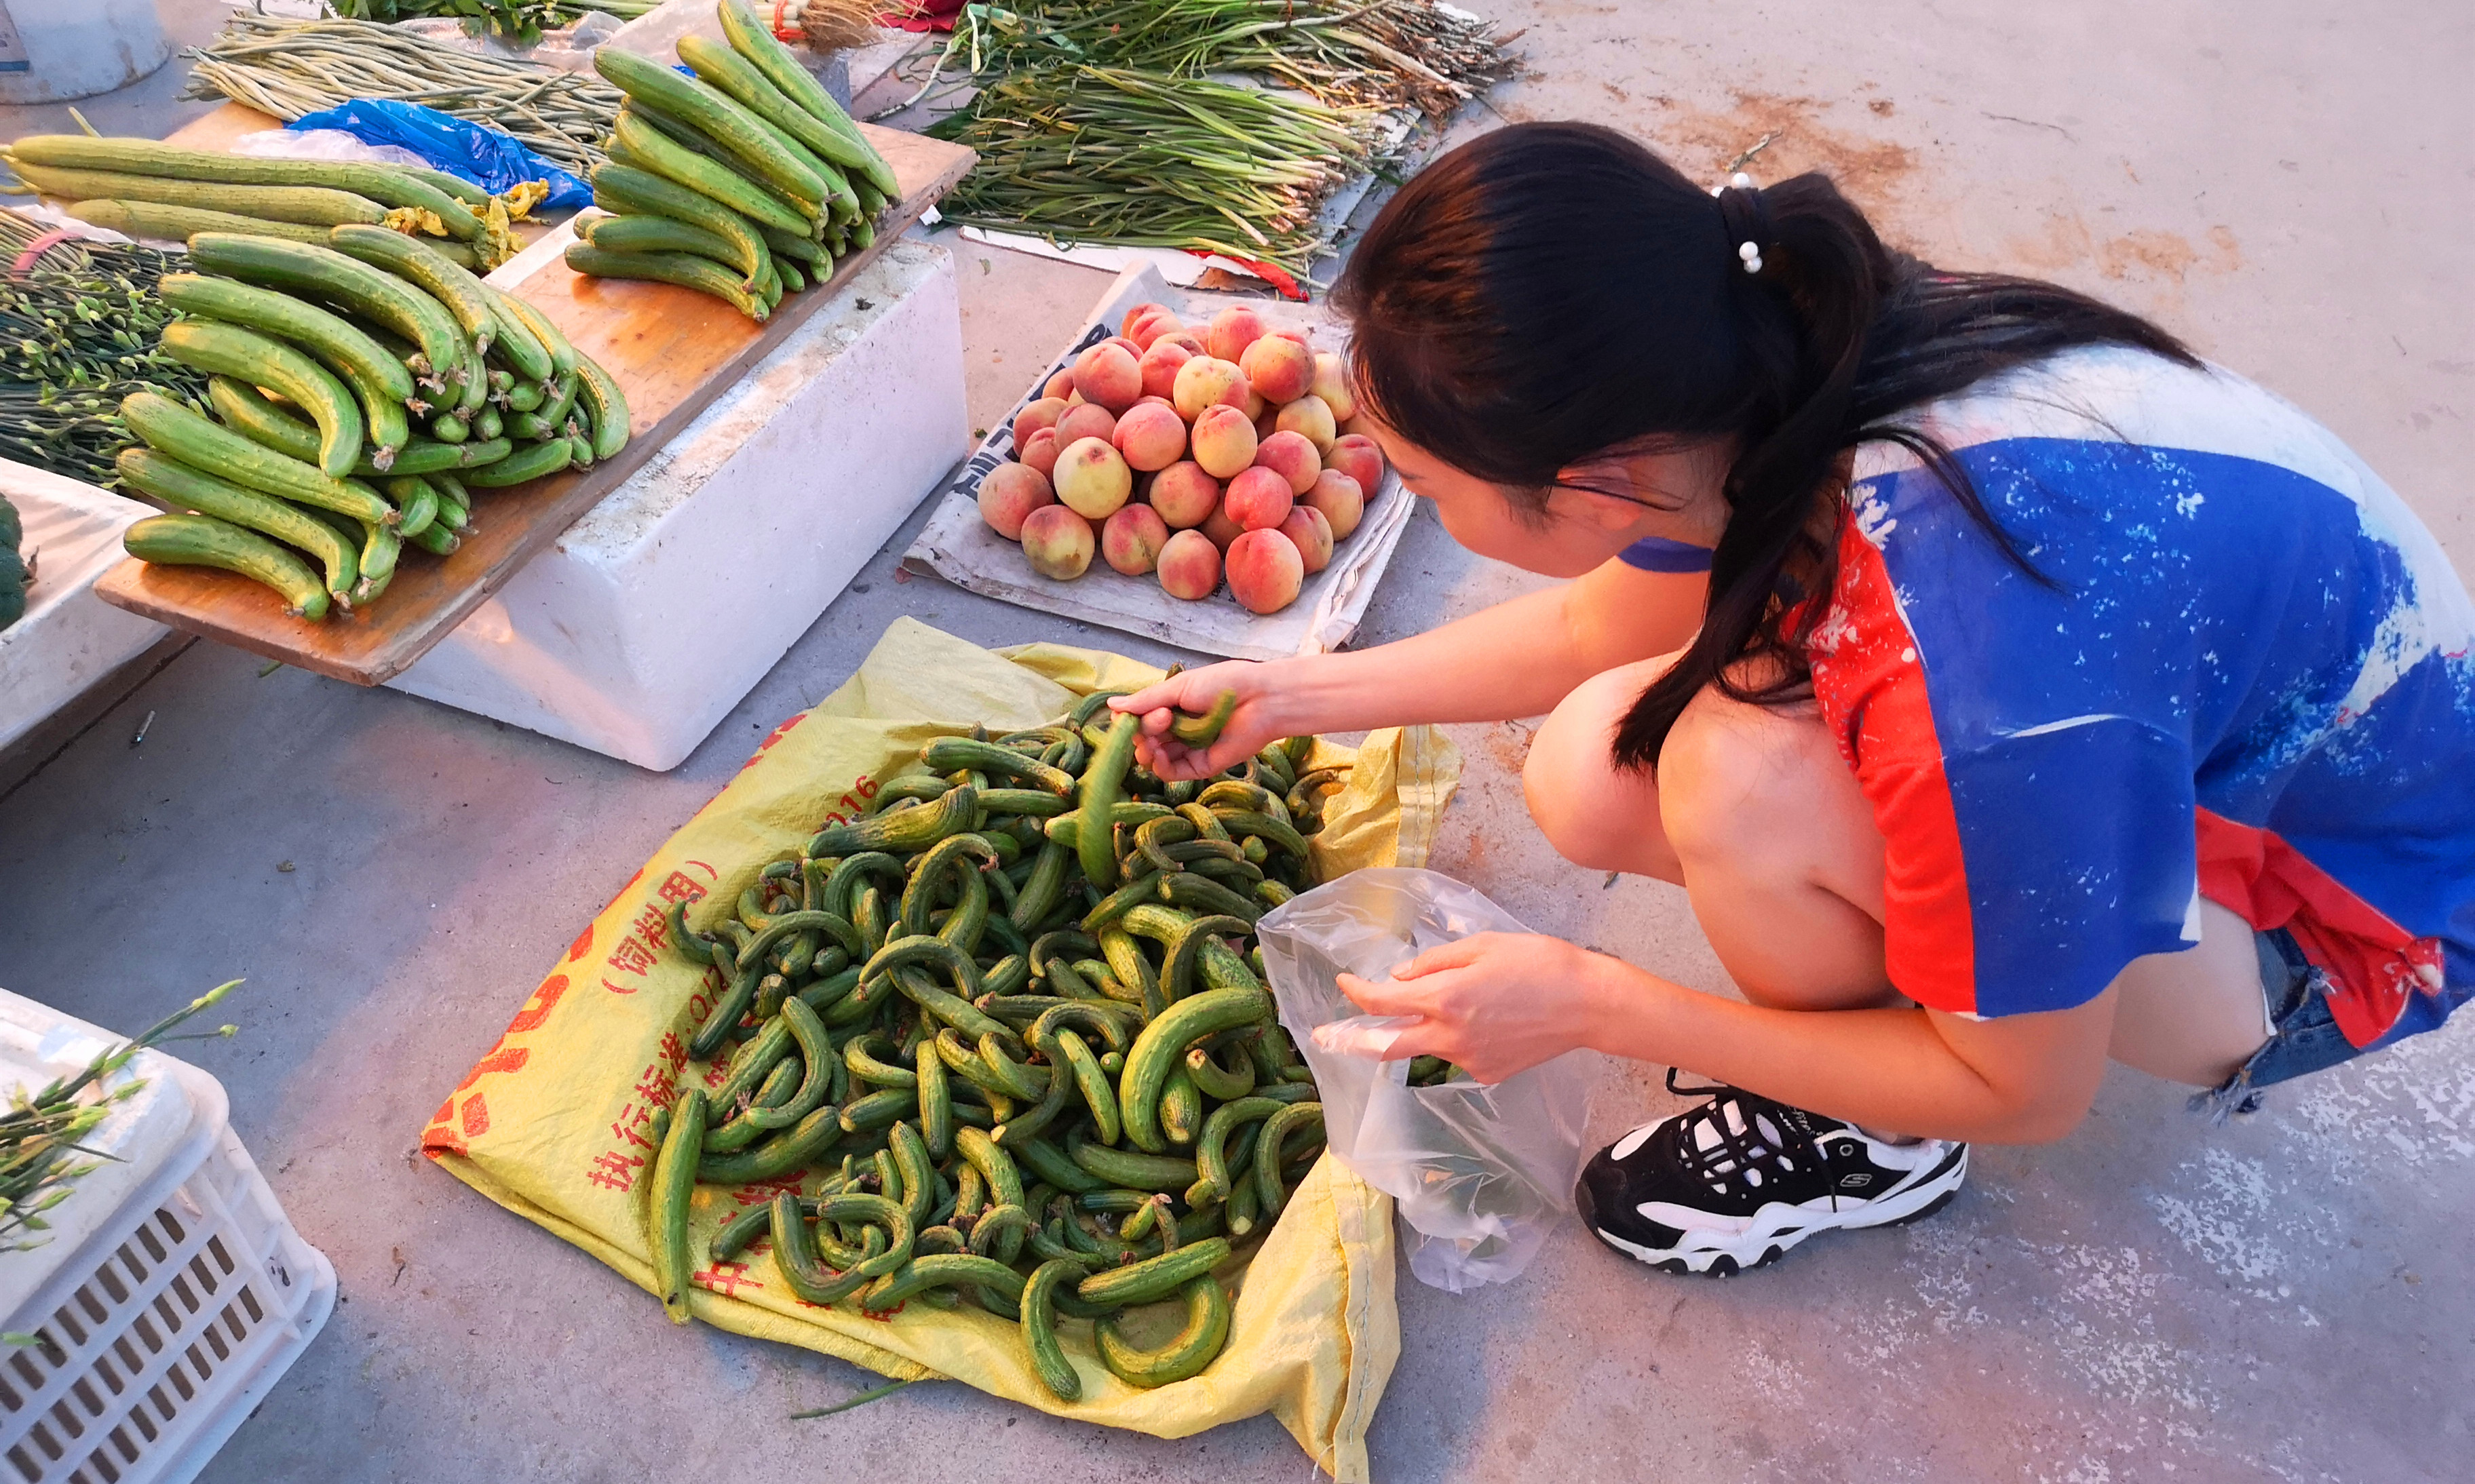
pixel 1931 1192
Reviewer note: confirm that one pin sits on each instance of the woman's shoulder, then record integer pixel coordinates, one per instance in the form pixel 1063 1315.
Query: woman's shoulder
pixel 2120 396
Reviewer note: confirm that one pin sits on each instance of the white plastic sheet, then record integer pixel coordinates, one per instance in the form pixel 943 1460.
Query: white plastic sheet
pixel 1483 1173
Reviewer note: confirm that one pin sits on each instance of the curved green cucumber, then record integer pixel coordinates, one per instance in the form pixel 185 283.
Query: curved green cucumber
pixel 184 488
pixel 230 351
pixel 1040 1326
pixel 801 133
pixel 1213 1180
pixel 750 37
pixel 817 1054
pixel 939 1270
pixel 195 440
pixel 1184 1354
pixel 553 342
pixel 1133 1170
pixel 674 1178
pixel 1102 783
pixel 1155 1278
pixel 530 463
pixel 1162 1046
pixel 712 112
pixel 1204 730
pixel 416 502
pixel 681 270
pixel 311 268
pixel 684 190
pixel 599 394
pixel 790 1150
pixel 956 754
pixel 426 267
pixel 1268 1189
pixel 329 337
pixel 908 829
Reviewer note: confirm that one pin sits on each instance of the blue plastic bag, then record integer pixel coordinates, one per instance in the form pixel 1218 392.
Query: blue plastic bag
pixel 488 158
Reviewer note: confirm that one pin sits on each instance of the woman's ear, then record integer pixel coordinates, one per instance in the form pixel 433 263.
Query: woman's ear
pixel 1601 494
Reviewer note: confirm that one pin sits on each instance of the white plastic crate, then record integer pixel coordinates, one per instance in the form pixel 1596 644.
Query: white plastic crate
pixel 172 1295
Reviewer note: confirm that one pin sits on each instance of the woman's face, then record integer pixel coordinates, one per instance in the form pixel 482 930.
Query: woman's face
pixel 1674 495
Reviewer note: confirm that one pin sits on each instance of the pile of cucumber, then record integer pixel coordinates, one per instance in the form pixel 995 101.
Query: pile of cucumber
pixel 360 388
pixel 744 181
pixel 1008 1020
pixel 147 188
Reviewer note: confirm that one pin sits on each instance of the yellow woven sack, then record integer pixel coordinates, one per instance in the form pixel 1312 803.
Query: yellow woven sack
pixel 550 1123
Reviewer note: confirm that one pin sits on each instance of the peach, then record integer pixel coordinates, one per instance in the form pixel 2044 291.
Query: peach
pixel 1268 422
pixel 1127 322
pixel 1187 338
pixel 1207 381
pixel 1264 571
pixel 1084 419
pixel 1154 328
pixel 1125 344
pixel 1151 327
pixel 1311 415
pixel 1224 442
pixel 1010 492
pixel 1257 409
pixel 1183 495
pixel 1107 374
pixel 1332 384
pixel 1220 529
pixel 1057 543
pixel 1360 457
pixel 1092 478
pixel 1259 499
pixel 1190 566
pixel 1151 400
pixel 1293 457
pixel 1341 501
pixel 1132 540
pixel 1232 330
pixel 1160 365
pixel 1279 368
pixel 1039 451
pixel 1311 534
pixel 1059 385
pixel 1036 415
pixel 1151 437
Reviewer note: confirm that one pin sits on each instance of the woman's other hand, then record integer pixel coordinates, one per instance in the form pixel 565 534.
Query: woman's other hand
pixel 1496 1004
pixel 1251 727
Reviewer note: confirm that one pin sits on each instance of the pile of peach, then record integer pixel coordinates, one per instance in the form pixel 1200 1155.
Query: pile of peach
pixel 1195 454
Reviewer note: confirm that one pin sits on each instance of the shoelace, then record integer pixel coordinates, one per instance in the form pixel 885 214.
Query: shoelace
pixel 1740 1140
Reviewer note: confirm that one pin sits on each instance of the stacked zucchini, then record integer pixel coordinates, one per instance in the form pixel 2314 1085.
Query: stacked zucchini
pixel 147 188
pixel 744 181
pixel 320 359
pixel 1008 1019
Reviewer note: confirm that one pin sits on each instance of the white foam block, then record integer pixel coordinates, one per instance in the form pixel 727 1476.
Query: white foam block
pixel 660 609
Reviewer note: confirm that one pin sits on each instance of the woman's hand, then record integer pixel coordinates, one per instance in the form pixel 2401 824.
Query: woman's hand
pixel 1496 1004
pixel 1251 727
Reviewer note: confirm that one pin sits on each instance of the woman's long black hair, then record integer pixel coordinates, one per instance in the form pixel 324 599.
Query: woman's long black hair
pixel 1552 294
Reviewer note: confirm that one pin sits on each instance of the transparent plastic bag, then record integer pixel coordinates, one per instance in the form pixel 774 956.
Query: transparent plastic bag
pixel 1483 1173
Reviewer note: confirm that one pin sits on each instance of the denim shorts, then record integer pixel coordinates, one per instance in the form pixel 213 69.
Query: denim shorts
pixel 2304 1037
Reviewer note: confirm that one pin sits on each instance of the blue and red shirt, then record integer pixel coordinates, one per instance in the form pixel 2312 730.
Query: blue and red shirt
pixel 2249 679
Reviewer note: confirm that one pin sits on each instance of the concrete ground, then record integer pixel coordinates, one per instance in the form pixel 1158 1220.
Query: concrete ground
pixel 2288 1297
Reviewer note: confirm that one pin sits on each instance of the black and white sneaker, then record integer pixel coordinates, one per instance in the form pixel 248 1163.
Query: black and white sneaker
pixel 1733 1183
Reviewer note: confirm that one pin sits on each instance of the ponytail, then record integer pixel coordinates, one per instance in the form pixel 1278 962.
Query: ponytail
pixel 1553 294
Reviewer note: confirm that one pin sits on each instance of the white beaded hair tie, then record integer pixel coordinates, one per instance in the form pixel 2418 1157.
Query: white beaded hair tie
pixel 1747 252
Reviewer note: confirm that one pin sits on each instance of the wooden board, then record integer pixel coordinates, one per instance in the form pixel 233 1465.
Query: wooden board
pixel 671 350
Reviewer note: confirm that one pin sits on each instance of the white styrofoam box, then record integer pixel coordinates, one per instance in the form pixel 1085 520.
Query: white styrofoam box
pixel 750 522
pixel 58 52
pixel 68 638
pixel 172 1294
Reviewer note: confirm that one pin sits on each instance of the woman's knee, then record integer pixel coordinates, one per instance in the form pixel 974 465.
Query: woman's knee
pixel 1595 813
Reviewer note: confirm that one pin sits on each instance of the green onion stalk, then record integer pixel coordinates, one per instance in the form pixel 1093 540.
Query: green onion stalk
pixel 39 1148
pixel 1128 159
